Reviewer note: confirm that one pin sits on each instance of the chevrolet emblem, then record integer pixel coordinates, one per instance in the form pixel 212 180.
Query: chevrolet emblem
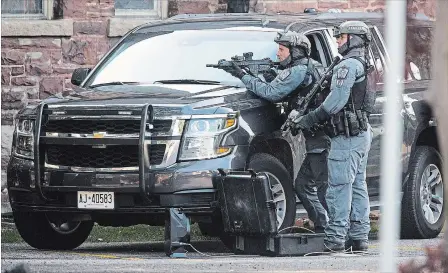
pixel 99 134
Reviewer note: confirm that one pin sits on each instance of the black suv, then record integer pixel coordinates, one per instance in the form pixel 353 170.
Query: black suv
pixel 148 127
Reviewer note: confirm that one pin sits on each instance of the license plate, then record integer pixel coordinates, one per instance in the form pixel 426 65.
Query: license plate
pixel 95 200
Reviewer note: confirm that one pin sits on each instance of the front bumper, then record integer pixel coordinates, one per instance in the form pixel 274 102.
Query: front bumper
pixel 186 185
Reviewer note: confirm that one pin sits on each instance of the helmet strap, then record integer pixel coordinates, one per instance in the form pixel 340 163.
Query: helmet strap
pixel 348 40
pixel 290 54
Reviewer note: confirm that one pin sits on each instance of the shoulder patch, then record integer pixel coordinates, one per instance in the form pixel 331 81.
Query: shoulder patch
pixel 342 73
pixel 284 74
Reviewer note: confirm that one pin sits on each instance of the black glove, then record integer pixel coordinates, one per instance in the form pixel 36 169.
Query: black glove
pixel 302 122
pixel 307 121
pixel 269 75
pixel 235 71
pixel 294 130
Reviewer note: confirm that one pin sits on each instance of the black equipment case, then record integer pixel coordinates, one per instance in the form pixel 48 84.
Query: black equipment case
pixel 248 213
pixel 288 244
pixel 246 203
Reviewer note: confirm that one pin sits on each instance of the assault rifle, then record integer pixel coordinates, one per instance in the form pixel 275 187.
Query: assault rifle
pixel 254 67
pixel 303 102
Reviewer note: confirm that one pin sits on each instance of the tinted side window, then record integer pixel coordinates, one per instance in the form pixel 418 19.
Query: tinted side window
pixel 418 53
pixel 319 48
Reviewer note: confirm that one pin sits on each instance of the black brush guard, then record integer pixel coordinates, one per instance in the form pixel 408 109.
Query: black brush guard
pixel 177 224
pixel 146 185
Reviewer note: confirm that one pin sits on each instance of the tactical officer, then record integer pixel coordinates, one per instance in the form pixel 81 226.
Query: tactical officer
pixel 345 115
pixel 296 78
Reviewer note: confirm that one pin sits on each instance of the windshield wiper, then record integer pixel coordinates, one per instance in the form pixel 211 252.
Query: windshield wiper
pixel 179 81
pixel 189 81
pixel 111 83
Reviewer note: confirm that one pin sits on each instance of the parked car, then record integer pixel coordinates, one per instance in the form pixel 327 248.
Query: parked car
pixel 148 127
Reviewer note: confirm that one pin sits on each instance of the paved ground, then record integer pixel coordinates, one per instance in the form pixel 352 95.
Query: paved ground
pixel 149 257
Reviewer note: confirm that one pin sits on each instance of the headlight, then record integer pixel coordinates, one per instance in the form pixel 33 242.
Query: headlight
pixel 203 137
pixel 24 138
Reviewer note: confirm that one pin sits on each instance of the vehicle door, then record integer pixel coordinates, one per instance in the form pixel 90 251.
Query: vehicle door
pixel 378 59
pixel 416 82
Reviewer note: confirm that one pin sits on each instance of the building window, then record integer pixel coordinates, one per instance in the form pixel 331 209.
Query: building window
pixel 136 7
pixel 134 4
pixel 238 6
pixel 27 9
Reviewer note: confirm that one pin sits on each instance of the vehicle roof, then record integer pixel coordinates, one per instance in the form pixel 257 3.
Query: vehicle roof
pixel 302 21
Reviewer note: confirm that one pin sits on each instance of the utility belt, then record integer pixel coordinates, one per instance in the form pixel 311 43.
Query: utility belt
pixel 347 122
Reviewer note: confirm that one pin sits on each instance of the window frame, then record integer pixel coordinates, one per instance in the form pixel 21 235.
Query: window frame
pixel 156 12
pixel 321 42
pixel 377 44
pixel 47 13
pixel 378 37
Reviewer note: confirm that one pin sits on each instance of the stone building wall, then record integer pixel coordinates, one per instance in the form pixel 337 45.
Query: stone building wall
pixel 38 56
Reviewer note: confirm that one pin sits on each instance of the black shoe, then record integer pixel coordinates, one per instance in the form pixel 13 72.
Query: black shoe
pixel 319 230
pixel 356 245
pixel 333 247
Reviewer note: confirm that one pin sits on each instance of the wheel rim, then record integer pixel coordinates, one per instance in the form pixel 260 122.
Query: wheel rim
pixel 431 193
pixel 63 227
pixel 279 197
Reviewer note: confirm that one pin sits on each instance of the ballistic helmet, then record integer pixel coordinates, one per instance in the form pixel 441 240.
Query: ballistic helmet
pixel 353 27
pixel 293 39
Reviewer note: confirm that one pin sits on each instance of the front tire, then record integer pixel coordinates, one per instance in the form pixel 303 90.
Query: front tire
pixel 38 231
pixel 209 229
pixel 422 214
pixel 281 186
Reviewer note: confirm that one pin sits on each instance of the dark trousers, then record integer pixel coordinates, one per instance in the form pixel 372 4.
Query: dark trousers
pixel 313 175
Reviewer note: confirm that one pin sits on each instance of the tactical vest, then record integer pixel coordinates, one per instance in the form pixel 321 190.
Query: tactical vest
pixel 302 90
pixel 362 97
pixel 354 116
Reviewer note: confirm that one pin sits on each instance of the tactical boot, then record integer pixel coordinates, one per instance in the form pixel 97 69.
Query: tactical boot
pixel 333 247
pixel 319 229
pixel 356 245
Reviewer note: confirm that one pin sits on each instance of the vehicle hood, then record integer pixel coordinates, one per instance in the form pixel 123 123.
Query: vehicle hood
pixel 142 94
pixel 185 98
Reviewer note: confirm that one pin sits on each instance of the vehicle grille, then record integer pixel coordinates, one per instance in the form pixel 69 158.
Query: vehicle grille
pixel 118 156
pixel 156 153
pixel 109 126
pixel 202 199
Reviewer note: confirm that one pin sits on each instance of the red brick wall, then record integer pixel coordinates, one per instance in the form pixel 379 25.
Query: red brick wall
pixel 197 6
pixel 274 6
pixel 32 68
pixel 35 67
pixel 269 6
pixel 321 5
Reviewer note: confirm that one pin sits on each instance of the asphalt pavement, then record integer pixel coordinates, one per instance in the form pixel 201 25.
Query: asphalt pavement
pixel 149 257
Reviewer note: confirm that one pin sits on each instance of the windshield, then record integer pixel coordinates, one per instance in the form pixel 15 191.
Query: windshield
pixel 183 54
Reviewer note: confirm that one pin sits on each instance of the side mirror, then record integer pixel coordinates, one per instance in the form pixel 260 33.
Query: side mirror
pixel 79 75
